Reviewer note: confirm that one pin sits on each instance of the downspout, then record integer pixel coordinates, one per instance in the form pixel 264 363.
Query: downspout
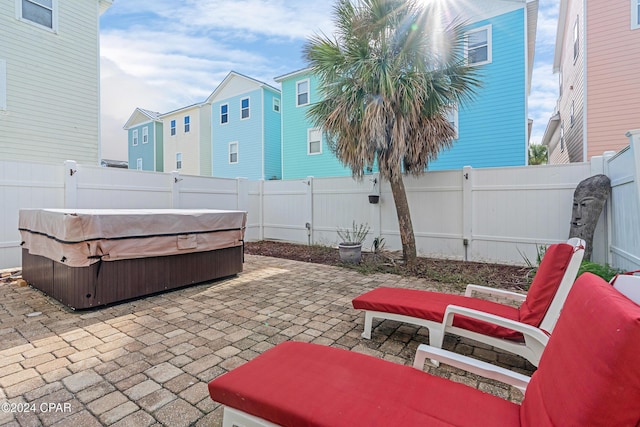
pixel 281 133
pixel 526 90
pixel 585 83
pixel 99 86
pixel 264 112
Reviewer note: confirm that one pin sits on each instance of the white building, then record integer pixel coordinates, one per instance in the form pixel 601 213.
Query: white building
pixel 50 80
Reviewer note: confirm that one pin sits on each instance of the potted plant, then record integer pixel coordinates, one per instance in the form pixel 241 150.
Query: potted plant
pixel 350 247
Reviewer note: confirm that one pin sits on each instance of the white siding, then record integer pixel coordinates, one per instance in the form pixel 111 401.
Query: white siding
pixel 52 85
pixel 193 144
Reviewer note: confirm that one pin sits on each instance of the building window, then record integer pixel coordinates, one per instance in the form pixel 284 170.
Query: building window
pixel 452 118
pixel 576 38
pixel 43 13
pixel 187 124
pixel 244 108
pixel 562 137
pixel 276 105
pixel 560 83
pixel 145 135
pixel 635 14
pixel 3 85
pixel 173 127
pixel 233 152
pixel 139 164
pixel 572 111
pixel 224 114
pixel 478 46
pixel 302 92
pixel 134 138
pixel 178 160
pixel 314 141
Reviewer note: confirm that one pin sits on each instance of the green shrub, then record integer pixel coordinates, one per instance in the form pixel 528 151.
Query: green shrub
pixel 605 271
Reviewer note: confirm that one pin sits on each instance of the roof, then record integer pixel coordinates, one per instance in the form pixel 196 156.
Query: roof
pixel 554 121
pixel 292 74
pixel 139 116
pixel 188 107
pixel 235 75
pixel 562 18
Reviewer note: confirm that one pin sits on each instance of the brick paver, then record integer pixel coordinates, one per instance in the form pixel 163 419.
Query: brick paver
pixel 148 362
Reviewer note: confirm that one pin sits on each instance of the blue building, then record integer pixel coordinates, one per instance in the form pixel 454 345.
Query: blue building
pixel 144 141
pixel 245 129
pixel 493 129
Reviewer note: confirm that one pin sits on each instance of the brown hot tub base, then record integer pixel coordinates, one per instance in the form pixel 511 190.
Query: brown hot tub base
pixel 109 282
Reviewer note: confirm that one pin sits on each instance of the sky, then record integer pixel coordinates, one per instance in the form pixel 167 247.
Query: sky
pixel 162 55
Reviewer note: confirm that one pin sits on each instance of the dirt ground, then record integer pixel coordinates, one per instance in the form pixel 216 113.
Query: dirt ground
pixel 459 273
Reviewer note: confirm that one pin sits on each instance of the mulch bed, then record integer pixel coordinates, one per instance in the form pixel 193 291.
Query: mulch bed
pixel 459 273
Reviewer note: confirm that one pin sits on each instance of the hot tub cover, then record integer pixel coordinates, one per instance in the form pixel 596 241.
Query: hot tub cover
pixel 81 237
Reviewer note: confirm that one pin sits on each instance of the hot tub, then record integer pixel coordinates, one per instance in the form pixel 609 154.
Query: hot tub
pixel 91 257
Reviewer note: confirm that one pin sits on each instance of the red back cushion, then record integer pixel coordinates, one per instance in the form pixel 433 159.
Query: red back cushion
pixel 589 372
pixel 545 284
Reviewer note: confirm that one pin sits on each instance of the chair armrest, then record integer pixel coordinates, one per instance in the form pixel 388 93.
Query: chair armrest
pixel 493 291
pixel 529 332
pixel 471 365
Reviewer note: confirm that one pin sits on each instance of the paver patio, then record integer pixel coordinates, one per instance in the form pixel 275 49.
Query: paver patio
pixel 148 362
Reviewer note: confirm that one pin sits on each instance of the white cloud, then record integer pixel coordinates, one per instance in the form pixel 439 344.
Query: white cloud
pixel 274 18
pixel 164 55
pixel 544 84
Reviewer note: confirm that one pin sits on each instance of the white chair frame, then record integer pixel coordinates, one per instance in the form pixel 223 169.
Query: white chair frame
pixel 535 339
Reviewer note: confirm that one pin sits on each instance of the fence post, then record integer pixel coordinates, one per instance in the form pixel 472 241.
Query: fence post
pixel 309 209
pixel 376 216
pixel 467 210
pixel 634 142
pixel 175 189
pixel 70 184
pixel 604 227
pixel 242 194
pixel 261 210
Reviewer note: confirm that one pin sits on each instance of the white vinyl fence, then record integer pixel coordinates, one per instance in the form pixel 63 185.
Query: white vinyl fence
pixel 495 214
pixel 624 210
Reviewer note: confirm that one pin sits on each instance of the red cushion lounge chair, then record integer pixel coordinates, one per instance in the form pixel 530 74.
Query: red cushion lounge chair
pixel 587 376
pixel 523 331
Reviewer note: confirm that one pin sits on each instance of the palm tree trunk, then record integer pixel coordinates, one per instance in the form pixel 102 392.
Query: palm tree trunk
pixel 404 221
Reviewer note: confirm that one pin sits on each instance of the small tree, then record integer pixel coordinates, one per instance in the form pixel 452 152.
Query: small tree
pixel 387 79
pixel 538 154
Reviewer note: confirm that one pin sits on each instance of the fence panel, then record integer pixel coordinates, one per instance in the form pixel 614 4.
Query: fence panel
pixel 517 209
pixel 625 209
pixel 25 185
pixel 200 192
pixel 286 209
pixel 338 203
pixel 111 188
pixel 435 202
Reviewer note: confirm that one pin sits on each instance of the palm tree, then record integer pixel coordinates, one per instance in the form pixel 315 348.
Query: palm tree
pixel 387 79
pixel 538 154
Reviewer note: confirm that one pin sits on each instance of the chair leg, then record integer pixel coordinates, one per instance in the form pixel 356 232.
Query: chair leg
pixel 436 338
pixel 368 321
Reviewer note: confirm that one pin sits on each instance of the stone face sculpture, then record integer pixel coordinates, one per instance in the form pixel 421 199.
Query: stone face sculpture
pixel 588 201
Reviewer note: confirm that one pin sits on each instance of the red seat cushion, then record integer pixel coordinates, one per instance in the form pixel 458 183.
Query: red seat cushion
pixel 589 373
pixel 301 384
pixel 432 305
pixel 545 283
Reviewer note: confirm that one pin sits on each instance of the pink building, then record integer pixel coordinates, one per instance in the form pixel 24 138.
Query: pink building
pixel 597 59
